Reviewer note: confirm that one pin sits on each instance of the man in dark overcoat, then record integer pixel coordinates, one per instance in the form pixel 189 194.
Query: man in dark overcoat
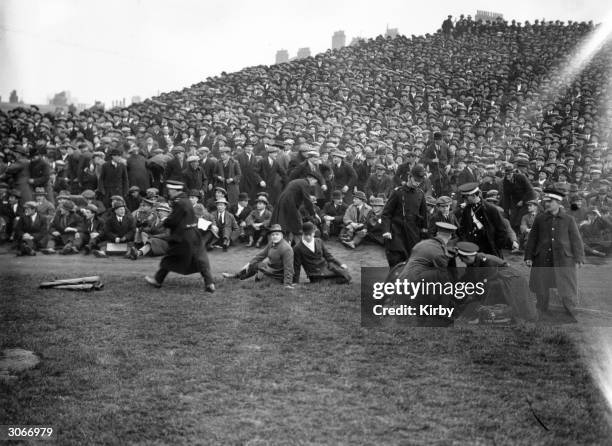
pixel 228 175
pixel 404 218
pixel 138 174
pixel 553 251
pixel 516 192
pixel 186 252
pixel 272 174
pixel 436 158
pixel 250 181
pixel 113 178
pixel 344 176
pixel 287 213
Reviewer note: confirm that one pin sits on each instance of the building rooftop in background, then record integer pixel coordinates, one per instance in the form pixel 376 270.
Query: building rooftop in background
pixel 282 56
pixel 392 32
pixel 338 40
pixel 303 53
pixel 488 16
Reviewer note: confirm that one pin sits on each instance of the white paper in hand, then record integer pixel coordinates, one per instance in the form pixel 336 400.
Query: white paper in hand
pixel 203 224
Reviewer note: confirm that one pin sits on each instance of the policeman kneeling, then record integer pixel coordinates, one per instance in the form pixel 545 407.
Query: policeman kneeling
pixel 498 281
pixel 432 264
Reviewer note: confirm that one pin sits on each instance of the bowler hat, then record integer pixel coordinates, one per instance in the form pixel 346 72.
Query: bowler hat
pixel 308 228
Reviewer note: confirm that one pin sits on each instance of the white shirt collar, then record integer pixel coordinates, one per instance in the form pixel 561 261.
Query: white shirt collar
pixel 310 245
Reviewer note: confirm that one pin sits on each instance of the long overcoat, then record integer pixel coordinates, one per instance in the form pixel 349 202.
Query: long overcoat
pixel 555 247
pixel 286 213
pixel 404 215
pixel 185 250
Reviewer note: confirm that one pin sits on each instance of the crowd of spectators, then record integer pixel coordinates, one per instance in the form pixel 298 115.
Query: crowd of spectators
pixel 473 102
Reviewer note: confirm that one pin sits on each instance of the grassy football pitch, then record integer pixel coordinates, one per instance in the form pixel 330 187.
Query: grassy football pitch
pixel 257 364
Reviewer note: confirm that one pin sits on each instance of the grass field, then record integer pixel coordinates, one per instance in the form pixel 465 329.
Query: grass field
pixel 256 364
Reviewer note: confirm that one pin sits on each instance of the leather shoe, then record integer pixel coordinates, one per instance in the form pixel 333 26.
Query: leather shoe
pixel 153 282
pixel 210 288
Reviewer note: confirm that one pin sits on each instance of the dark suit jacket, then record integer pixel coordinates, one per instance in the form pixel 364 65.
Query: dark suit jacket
pixel 466 176
pixel 274 176
pixel 314 263
pixel 60 222
pixel 174 170
pixel 93 225
pixel 113 180
pixel 114 229
pixel 233 209
pixel 250 179
pixel 38 229
pixel 431 152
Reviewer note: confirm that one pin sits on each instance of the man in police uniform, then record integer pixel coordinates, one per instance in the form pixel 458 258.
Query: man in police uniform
pixel 502 283
pixel 186 253
pixel 481 222
pixel 554 249
pixel 429 262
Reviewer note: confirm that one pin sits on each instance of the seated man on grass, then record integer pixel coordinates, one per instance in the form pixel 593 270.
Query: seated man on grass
pixel 319 264
pixel 274 261
pixel 355 220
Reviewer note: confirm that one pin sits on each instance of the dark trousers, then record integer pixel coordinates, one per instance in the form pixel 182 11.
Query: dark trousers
pixel 395 257
pixel 542 301
pixel 333 273
pixel 161 274
pixel 259 272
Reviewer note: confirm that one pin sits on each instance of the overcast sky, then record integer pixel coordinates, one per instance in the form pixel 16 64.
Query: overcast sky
pixel 111 49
